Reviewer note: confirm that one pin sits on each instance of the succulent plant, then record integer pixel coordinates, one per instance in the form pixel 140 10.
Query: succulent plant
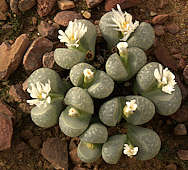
pixel 160 87
pixel 98 83
pixel 80 37
pixel 75 118
pixel 112 111
pixel 117 26
pixel 47 90
pixel 90 147
pixel 123 66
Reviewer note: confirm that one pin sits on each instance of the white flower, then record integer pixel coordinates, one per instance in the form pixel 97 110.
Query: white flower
pixel 129 150
pixel 129 108
pixel 73 112
pixel 122 47
pixel 123 22
pixel 165 78
pixel 72 35
pixel 40 94
pixel 88 74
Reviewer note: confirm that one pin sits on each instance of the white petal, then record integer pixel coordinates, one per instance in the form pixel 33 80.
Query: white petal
pixel 48 100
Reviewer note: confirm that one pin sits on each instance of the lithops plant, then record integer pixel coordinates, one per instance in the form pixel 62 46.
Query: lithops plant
pixel 136 110
pixel 159 85
pixel 117 26
pixel 75 118
pixel 79 37
pixel 147 141
pixel 47 90
pixel 98 83
pixel 90 147
pixel 123 66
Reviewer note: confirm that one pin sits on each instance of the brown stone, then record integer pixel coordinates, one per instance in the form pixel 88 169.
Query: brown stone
pixel 25 5
pixel 181 115
pixel 160 19
pixel 182 63
pixel 185 74
pixel 16 91
pixel 14 6
pixel 180 129
pixel 93 3
pixel 159 30
pixel 171 167
pixel 74 157
pixel 55 151
pixel 79 168
pixel 3 6
pixel 33 56
pixel 26 134
pixel 49 30
pixel 44 7
pixel 109 4
pixel 163 3
pixel 11 56
pixel 35 142
pixel 48 59
pixel 2 16
pixel 7 110
pixel 183 154
pixel 63 18
pixel 73 143
pixel 65 4
pixel 25 107
pixel 172 28
pixel 6 131
pixel 163 55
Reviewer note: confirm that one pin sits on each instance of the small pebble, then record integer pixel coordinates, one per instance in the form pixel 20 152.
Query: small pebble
pixel 86 14
pixel 65 4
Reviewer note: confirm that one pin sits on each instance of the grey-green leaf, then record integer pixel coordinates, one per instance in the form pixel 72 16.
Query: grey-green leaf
pixel 80 99
pixel 73 126
pixel 143 37
pixel 113 148
pixel 96 133
pixel 67 58
pixel 147 141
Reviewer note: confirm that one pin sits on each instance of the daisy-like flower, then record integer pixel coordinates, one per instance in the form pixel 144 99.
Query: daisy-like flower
pixel 123 22
pixel 88 75
pixel 129 108
pixel 73 112
pixel 130 150
pixel 165 79
pixel 40 94
pixel 72 35
pixel 122 47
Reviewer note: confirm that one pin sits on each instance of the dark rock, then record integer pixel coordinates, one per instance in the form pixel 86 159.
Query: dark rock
pixel 79 168
pixel 163 55
pixel 185 74
pixel 183 154
pixel 160 19
pixel 26 134
pixel 181 115
pixel 73 143
pixel 34 20
pixel 171 167
pixel 109 4
pixel 48 59
pixel 93 3
pixel 25 5
pixel 6 131
pixel 55 151
pixel 25 107
pixel 16 91
pixel 174 50
pixel 172 28
pixel 65 4
pixel 22 146
pixel 74 157
pixel 3 6
pixel 33 56
pixel 11 56
pixel 14 6
pixel 48 30
pixel 44 7
pixel 180 129
pixel 35 142
pixel 63 18
pixel 159 30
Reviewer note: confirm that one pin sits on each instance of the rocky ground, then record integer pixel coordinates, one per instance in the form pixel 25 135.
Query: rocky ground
pixel 28 37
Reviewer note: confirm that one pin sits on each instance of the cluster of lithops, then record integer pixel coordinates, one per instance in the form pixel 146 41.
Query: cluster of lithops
pixel 157 87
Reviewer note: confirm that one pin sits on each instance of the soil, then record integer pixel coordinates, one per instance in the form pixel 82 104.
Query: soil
pixel 24 156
